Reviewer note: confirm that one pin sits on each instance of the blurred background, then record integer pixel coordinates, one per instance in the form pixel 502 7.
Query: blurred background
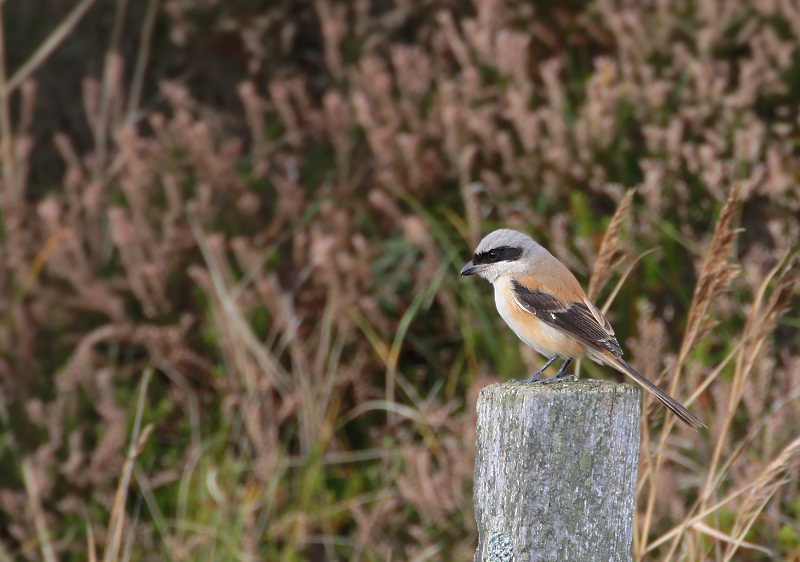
pixel 230 236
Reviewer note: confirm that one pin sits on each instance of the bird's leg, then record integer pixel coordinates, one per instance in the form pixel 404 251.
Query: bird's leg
pixel 560 376
pixel 535 377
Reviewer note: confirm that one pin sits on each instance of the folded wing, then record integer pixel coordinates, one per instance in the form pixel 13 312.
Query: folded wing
pixel 578 320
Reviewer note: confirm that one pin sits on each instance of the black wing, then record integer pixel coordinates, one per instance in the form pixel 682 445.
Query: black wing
pixel 574 320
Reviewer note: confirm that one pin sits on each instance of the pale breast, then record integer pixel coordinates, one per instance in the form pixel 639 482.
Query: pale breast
pixel 545 339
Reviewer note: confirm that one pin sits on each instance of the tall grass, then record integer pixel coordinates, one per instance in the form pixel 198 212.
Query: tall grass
pixel 235 329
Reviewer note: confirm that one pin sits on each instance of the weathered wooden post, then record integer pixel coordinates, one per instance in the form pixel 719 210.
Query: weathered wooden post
pixel 555 473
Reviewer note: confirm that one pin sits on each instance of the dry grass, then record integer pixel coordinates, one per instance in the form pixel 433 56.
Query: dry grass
pixel 612 244
pixel 268 215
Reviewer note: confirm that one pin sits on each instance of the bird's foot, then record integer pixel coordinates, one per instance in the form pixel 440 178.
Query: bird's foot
pixel 558 378
pixel 529 380
pixel 536 378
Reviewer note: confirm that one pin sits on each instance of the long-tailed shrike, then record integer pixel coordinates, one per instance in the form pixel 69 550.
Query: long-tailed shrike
pixel 543 303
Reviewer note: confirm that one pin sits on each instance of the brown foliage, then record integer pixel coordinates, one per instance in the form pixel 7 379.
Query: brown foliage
pixel 282 248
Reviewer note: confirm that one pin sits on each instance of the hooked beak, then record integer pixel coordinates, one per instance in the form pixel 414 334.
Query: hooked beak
pixel 471 269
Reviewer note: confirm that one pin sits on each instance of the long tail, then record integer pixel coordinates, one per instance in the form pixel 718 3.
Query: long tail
pixel 675 407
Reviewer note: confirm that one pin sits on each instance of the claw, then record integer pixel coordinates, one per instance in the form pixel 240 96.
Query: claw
pixel 560 376
pixel 557 378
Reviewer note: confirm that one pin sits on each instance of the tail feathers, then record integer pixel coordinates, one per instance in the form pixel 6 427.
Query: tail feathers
pixel 674 406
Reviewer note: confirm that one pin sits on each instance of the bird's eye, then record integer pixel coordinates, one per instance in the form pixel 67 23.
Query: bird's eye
pixel 493 255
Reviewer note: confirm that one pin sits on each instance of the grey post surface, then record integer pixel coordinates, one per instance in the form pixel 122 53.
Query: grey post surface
pixel 555 473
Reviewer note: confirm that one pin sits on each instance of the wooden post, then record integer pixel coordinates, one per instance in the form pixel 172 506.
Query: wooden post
pixel 555 473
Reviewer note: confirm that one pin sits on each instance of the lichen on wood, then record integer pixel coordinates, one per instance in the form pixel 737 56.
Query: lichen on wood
pixel 555 473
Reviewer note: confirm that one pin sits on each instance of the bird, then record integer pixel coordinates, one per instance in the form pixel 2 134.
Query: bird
pixel 546 307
